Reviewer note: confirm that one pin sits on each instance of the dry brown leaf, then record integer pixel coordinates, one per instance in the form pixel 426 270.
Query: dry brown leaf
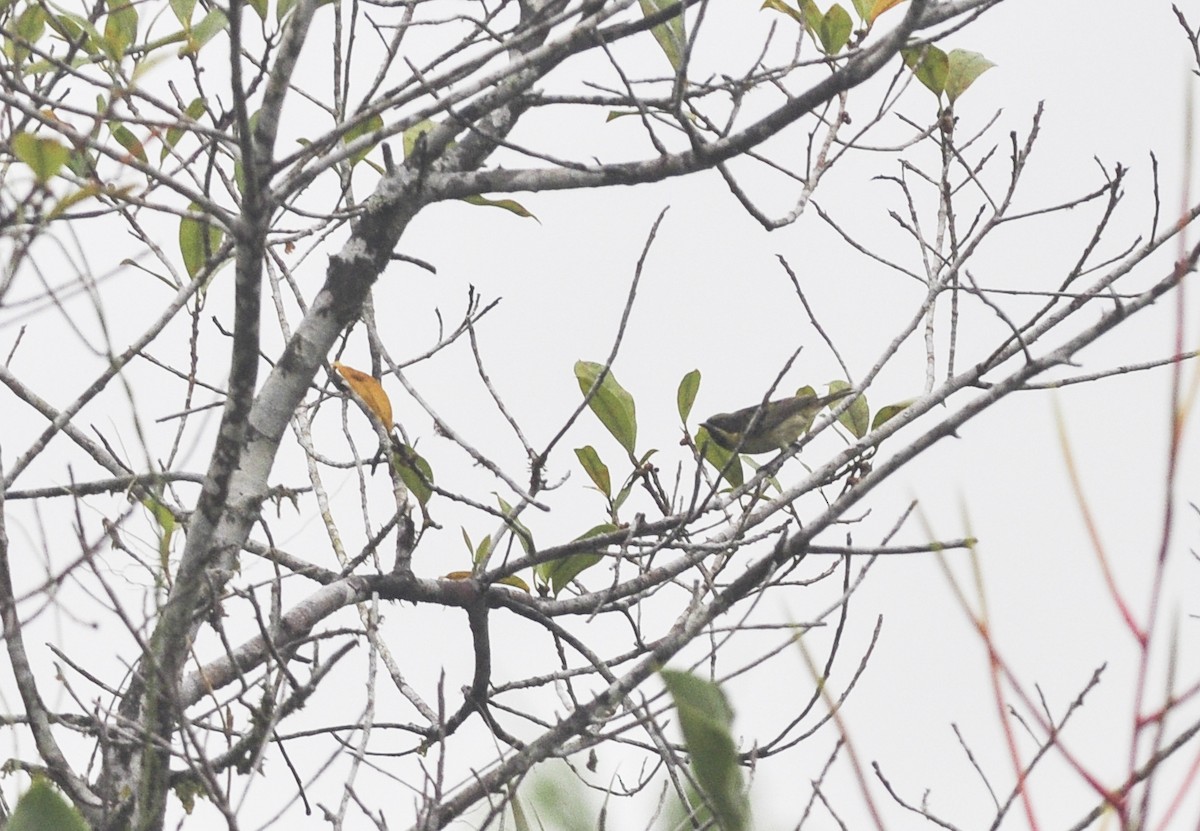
pixel 369 390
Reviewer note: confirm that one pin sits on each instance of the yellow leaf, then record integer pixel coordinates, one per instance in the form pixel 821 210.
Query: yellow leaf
pixel 369 390
pixel 511 580
pixel 880 7
pixel 506 204
pixel 517 582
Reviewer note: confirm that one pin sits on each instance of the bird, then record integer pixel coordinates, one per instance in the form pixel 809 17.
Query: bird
pixel 778 423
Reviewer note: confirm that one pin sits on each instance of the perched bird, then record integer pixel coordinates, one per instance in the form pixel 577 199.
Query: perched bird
pixel 778 423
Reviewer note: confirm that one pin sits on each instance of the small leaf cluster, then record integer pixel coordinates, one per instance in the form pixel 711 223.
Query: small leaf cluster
pixel 943 73
pixel 946 73
pixel 831 29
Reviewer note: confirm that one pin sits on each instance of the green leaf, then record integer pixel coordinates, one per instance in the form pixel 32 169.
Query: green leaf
pixel 165 520
pixel 863 8
pixel 812 17
pixel 781 6
pixel 174 134
pixel 30 25
pixel 183 12
pixel 558 573
pixel 41 808
pixel 524 534
pixel 44 66
pixel 120 28
pixel 931 66
pixel 363 128
pixel 720 458
pixel 103 105
pixel 208 28
pixel 685 396
pixel 413 470
pixel 669 34
pixel 128 140
pixel 520 821
pixel 510 205
pixel 560 801
pixel 31 22
pixel 857 416
pixel 690 810
pixel 888 412
pixel 834 31
pixel 81 163
pixel 596 470
pixel 282 8
pixel 410 136
pixel 88 191
pixel 611 403
pixel 45 156
pixel 705 718
pixel 626 489
pixel 964 68
pixel 76 29
pixel 260 8
pixel 198 241
pixel 484 551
